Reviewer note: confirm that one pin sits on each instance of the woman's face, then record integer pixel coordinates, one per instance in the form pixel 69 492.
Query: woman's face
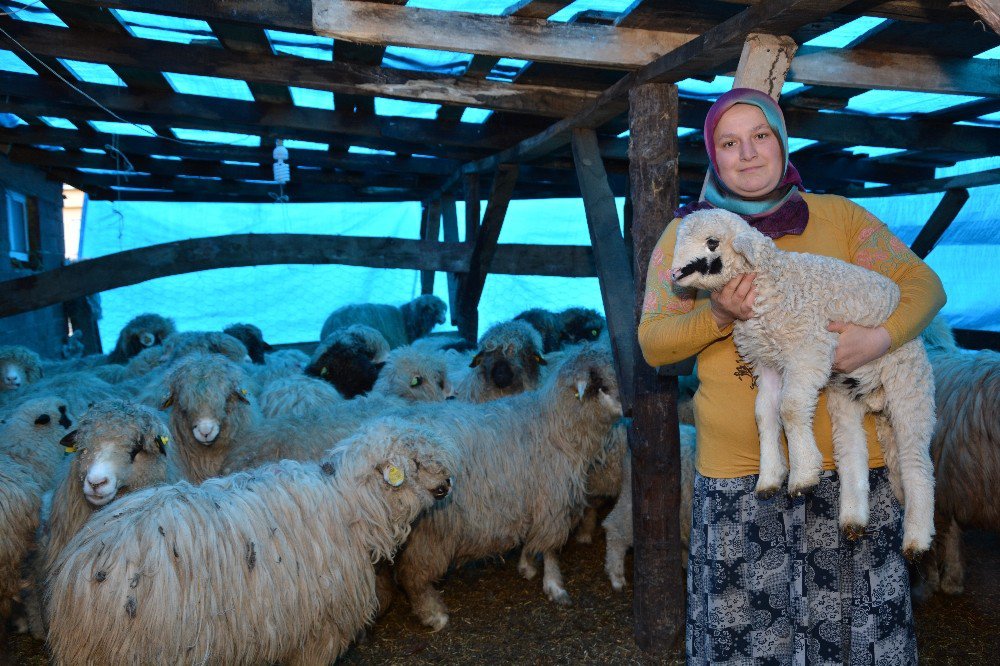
pixel 747 152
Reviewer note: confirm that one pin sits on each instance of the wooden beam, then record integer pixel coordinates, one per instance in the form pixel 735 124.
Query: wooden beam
pixel 613 267
pixel 653 435
pixel 939 221
pixel 965 181
pixel 988 11
pixel 524 38
pixel 259 68
pixel 449 223
pixel 470 286
pixel 431 227
pixel 470 187
pixel 290 15
pixel 764 63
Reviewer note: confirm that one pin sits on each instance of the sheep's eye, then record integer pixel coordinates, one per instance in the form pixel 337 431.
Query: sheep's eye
pixel 136 448
pixel 594 332
pixel 417 380
pixel 712 244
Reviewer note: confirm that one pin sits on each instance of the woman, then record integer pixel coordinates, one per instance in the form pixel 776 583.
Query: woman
pixel 774 581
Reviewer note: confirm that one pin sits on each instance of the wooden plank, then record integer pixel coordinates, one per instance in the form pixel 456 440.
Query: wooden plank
pixel 989 12
pixel 764 63
pixel 653 435
pixel 589 45
pixel 965 181
pixel 613 267
pixel 449 222
pixel 431 227
pixel 470 186
pixel 470 286
pixel 939 221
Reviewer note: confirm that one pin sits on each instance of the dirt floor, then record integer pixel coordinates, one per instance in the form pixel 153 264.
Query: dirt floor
pixel 499 618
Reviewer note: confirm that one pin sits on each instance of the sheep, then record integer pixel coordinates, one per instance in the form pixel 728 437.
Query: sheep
pixel 578 325
pixel 79 389
pixel 508 361
pixel 29 435
pixel 142 332
pixel 966 453
pixel 279 364
pixel 213 342
pixel 400 325
pixel 791 352
pixel 212 412
pixel 252 337
pixel 548 326
pixel 350 358
pixel 415 376
pixel 523 461
pixel 618 524
pixel 269 566
pixel 19 366
pixel 297 395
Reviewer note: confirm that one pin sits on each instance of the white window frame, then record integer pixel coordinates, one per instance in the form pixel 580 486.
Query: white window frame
pixel 12 198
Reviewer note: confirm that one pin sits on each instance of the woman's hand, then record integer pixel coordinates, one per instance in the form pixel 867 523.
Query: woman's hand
pixel 858 345
pixel 734 301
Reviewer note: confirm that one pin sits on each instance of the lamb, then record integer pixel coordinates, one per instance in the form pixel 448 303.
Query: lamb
pixel 142 332
pixel 19 366
pixel 252 337
pixel 234 571
pixel 548 326
pixel 30 433
pixel 415 376
pixel 966 453
pixel 523 460
pixel 350 358
pixel 578 325
pixel 508 361
pixel 618 523
pixel 213 412
pixel 792 353
pixel 400 325
pixel 79 390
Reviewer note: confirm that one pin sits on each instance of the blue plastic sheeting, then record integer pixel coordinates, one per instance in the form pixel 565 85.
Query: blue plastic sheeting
pixel 847 33
pixel 303 46
pixel 33 12
pixel 10 120
pixel 57 122
pixel 12 63
pixel 398 107
pixel 109 127
pixel 92 72
pixel 426 60
pixel 227 138
pixel 316 99
pixel 209 86
pixel 165 28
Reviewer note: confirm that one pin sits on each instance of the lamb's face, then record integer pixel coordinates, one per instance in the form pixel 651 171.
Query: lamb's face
pixel 587 379
pixel 12 376
pixel 580 325
pixel 714 246
pixel 48 418
pixel 417 378
pixel 120 447
pixel 203 394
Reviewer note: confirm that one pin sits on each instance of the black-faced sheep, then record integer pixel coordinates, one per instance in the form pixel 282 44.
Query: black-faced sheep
pixel 548 326
pixel 212 412
pixel 269 566
pixel 523 462
pixel 399 325
pixel 508 361
pixel 142 332
pixel 350 359
pixel 791 351
pixel 578 325
pixel 252 337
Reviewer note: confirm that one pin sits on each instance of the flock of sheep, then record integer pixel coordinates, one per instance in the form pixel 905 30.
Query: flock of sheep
pixel 200 497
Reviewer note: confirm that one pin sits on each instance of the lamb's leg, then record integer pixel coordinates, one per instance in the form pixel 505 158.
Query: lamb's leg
pixel 953 579
pixel 588 525
pixel 773 469
pixel 420 564
pixel 526 565
pixel 801 384
pixel 552 580
pixel 618 538
pixel 850 451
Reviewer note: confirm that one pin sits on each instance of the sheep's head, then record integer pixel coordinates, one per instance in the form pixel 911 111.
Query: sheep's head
pixel 548 326
pixel 19 366
pixel 714 246
pixel 580 325
pixel 211 342
pixel 509 359
pixel 47 417
pixel 142 332
pixel 587 380
pixel 422 314
pixel 252 337
pixel 205 390
pixel 415 375
pixel 120 447
pixel 350 358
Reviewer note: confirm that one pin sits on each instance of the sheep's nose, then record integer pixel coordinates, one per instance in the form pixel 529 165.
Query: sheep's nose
pixel 502 374
pixel 676 274
pixel 206 431
pixel 96 482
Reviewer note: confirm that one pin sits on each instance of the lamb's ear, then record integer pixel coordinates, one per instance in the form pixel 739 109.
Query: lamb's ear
pixel 168 401
pixel 476 360
pixel 161 442
pixel 393 475
pixel 68 442
pixel 751 245
pixel 241 394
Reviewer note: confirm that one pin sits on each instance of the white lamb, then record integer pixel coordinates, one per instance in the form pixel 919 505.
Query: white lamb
pixel 269 566
pixel 791 351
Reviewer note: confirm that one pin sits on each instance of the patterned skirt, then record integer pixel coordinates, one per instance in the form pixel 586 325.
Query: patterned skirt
pixel 774 582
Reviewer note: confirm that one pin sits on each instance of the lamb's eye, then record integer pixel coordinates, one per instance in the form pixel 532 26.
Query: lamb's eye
pixel 417 380
pixel 712 245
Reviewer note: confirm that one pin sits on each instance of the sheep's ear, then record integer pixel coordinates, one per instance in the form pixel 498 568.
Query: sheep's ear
pixel 68 442
pixel 540 360
pixel 168 401
pixel 476 360
pixel 393 475
pixel 267 347
pixel 161 443
pixel 241 394
pixel 751 245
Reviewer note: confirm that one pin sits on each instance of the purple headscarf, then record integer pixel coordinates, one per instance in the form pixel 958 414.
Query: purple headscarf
pixel 792 213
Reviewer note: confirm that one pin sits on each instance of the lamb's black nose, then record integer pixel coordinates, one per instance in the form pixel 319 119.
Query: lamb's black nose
pixel 502 374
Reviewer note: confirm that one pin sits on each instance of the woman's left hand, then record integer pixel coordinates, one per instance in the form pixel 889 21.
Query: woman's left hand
pixel 858 345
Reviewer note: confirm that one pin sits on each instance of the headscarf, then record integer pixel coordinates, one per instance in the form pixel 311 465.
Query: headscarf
pixel 792 213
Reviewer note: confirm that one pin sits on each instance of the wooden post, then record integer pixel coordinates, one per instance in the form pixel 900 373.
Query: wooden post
pixel 658 602
pixel 449 221
pixel 613 267
pixel 430 227
pixel 470 286
pixel 942 217
pixel 470 185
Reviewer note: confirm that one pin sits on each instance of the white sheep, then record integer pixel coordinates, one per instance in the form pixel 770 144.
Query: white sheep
pixel 30 435
pixel 297 395
pixel 618 523
pixel 508 361
pixel 415 376
pixel 19 366
pixel 269 566
pixel 400 325
pixel 141 332
pixel 80 389
pixel 791 351
pixel 212 412
pixel 966 453
pixel 523 462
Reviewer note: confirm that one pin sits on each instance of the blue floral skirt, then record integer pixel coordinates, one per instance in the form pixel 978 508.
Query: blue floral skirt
pixel 774 582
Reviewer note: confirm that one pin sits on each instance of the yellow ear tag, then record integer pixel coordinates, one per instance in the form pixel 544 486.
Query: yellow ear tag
pixel 163 440
pixel 243 391
pixel 69 449
pixel 394 476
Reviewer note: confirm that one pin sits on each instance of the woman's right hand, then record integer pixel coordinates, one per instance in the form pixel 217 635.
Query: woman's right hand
pixel 734 301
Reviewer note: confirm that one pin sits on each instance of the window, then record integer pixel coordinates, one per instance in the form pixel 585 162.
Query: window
pixel 17 225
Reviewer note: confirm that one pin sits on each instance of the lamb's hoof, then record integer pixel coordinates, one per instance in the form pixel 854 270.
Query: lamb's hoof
pixel 913 553
pixel 436 621
pixel 617 582
pixel 558 595
pixel 798 488
pixel 853 531
pixel 527 570
pixel 584 537
pixel 766 493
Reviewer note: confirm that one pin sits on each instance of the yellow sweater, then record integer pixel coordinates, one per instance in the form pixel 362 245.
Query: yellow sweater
pixel 677 324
